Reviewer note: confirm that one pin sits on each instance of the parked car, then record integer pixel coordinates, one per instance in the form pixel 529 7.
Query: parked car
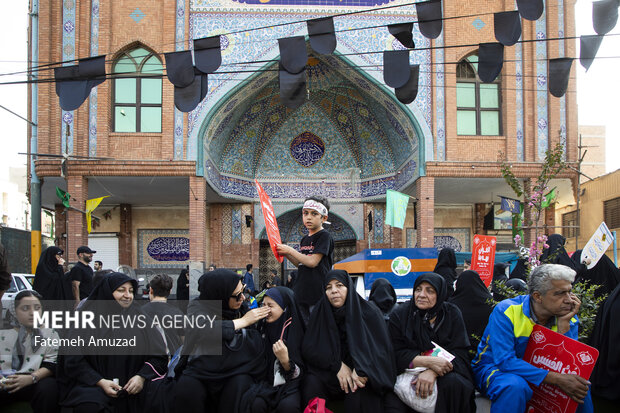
pixel 18 283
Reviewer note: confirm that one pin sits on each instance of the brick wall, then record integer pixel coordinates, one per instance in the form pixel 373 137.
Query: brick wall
pixel 77 186
pixel 197 219
pixel 425 192
pixel 124 240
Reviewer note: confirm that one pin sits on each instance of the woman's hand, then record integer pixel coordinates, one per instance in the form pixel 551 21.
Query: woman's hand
pixel 251 317
pixel 16 382
pixel 109 387
pixel 358 382
pixel 439 365
pixel 424 383
pixel 134 385
pixel 281 352
pixel 345 379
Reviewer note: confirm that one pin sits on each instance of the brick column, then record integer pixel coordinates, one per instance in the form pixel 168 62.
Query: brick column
pixel 215 232
pixel 396 235
pixel 77 187
pixel 425 192
pixel 479 212
pixel 197 218
pixel 550 220
pixel 124 239
pixel 60 228
pixel 528 216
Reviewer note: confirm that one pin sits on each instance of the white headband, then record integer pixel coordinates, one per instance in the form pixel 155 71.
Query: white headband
pixel 316 206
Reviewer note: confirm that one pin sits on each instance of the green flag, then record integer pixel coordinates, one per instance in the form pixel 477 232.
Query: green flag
pixel 396 208
pixel 64 197
pixel 548 199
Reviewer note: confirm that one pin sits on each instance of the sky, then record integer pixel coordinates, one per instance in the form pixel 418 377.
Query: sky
pixel 598 90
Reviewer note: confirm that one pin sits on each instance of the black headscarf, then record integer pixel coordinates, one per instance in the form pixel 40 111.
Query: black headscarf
pixel 290 284
pixel 556 253
pixel 520 270
pixel 105 289
pixel 604 273
pixel 412 333
pixel 446 267
pixel 49 278
pixel 474 300
pixel 241 350
pixel 218 285
pixel 182 287
pixel 294 333
pixel 366 335
pixel 499 276
pixel 383 295
pixel 605 337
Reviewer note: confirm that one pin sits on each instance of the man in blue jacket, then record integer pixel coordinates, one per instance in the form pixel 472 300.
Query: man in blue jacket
pixel 499 369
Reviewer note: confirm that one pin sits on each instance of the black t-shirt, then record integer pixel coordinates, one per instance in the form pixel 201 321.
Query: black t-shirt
pixel 309 285
pixel 84 274
pixel 160 309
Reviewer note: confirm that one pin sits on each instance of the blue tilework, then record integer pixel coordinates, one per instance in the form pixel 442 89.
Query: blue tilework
pixel 563 98
pixel 68 54
pixel 92 103
pixel 541 86
pixel 179 38
pixel 440 101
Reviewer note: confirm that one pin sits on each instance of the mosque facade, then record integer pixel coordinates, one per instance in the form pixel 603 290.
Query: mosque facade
pixel 181 186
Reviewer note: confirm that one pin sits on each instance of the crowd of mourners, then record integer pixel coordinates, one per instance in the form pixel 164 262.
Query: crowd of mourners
pixel 279 356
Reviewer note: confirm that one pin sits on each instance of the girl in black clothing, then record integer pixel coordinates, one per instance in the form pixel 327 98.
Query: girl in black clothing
pixel 283 333
pixel 475 301
pixel 346 349
pixel 113 383
pixel 382 294
pixel 446 267
pixel 413 327
pixel 217 383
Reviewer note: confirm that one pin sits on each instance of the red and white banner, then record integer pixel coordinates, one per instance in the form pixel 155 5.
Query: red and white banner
pixel 271 224
pixel 483 257
pixel 552 351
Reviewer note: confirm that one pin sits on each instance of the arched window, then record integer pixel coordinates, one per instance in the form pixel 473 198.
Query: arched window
pixel 478 109
pixel 137 92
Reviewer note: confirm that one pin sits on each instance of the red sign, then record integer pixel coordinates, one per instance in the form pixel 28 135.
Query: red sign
pixel 552 351
pixel 271 224
pixel 483 257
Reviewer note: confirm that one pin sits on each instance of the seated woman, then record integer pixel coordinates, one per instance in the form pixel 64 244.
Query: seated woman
pixel 414 326
pixel 474 300
pixel 217 383
pixel 28 370
pixel 347 349
pixel 103 382
pixel 382 294
pixel 283 333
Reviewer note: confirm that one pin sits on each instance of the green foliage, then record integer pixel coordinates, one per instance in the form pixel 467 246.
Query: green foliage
pixel 589 307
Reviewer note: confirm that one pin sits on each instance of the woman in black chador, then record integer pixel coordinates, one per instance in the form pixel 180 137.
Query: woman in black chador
pixel 49 278
pixel 382 294
pixel 475 302
pixel 604 273
pixel 113 383
pixel 446 267
pixel 217 383
pixel 282 332
pixel 413 325
pixel 346 349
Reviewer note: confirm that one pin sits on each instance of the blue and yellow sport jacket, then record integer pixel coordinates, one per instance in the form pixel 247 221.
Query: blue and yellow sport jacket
pixel 504 341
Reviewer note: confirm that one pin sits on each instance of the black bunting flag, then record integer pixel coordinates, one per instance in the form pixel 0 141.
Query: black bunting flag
pixel 604 15
pixel 189 97
pixel 322 35
pixel 588 47
pixel 490 61
pixel 403 32
pixel 293 89
pixel 180 68
pixel 507 27
pixel 559 72
pixel 293 53
pixel 408 92
pixel 530 9
pixel 396 67
pixel 430 18
pixel 207 54
pixel 74 83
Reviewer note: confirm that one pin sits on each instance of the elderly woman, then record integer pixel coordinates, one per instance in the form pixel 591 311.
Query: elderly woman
pixel 347 349
pixel 217 383
pixel 283 333
pixel 96 381
pixel 28 370
pixel 415 327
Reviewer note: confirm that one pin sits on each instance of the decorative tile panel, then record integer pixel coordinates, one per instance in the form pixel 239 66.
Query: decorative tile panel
pixel 68 54
pixel 541 87
pixel 563 98
pixel 455 238
pixel 163 248
pixel 92 103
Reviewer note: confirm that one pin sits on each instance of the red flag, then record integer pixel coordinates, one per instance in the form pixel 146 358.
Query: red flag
pixel 271 224
pixel 483 257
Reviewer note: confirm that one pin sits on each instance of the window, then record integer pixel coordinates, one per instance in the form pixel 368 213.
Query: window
pixel 611 213
pixel 570 220
pixel 137 92
pixel 477 103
